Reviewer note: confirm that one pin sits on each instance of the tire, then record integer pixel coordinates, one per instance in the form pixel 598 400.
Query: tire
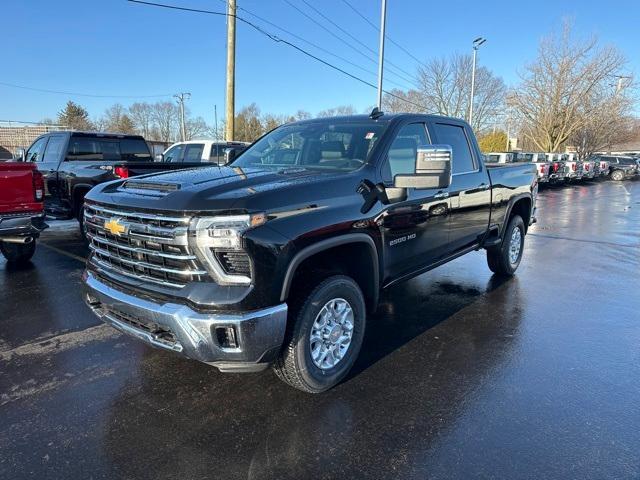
pixel 80 218
pixel 617 175
pixel 499 258
pixel 296 366
pixel 18 253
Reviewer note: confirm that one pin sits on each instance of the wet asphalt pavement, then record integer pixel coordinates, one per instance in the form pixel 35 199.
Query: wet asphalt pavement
pixel 462 375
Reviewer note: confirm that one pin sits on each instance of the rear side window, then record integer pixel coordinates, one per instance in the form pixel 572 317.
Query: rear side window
pixel 455 136
pixel 111 149
pixel 134 149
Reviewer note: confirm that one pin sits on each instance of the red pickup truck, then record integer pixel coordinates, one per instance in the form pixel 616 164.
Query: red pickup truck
pixel 21 210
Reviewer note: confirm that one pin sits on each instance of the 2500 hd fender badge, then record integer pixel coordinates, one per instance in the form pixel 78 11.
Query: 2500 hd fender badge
pixel 402 239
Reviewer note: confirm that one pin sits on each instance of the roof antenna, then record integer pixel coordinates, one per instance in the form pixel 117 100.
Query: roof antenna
pixel 376 113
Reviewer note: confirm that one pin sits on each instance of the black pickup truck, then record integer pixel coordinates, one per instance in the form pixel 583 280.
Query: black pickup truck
pixel 277 258
pixel 72 163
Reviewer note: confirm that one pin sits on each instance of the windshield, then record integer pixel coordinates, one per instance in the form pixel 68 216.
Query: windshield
pixel 324 146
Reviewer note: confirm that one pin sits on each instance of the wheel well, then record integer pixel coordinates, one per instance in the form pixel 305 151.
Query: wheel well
pixel 521 207
pixel 352 259
pixel 78 196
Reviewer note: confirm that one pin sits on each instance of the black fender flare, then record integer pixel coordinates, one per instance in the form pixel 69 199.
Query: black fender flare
pixel 326 244
pixel 512 202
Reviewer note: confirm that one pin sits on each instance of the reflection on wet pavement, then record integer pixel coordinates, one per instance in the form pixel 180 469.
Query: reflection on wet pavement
pixel 461 375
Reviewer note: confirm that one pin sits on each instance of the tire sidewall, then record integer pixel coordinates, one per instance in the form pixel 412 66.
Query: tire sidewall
pixel 18 253
pixel 317 378
pixel 617 175
pixel 516 222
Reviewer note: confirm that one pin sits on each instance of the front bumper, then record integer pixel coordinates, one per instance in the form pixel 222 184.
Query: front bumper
pixel 200 336
pixel 22 225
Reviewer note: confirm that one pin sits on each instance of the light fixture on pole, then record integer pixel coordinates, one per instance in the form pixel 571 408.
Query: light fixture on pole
pixel 476 45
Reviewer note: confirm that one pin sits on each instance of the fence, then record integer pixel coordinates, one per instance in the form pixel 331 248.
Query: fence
pixel 15 135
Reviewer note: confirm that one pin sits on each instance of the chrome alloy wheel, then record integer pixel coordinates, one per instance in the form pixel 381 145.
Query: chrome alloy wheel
pixel 515 245
pixel 331 333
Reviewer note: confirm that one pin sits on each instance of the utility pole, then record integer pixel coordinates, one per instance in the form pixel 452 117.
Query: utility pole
pixel 215 119
pixel 476 45
pixel 181 98
pixel 383 21
pixel 231 71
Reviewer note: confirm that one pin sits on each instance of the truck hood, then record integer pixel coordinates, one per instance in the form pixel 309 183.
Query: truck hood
pixel 226 188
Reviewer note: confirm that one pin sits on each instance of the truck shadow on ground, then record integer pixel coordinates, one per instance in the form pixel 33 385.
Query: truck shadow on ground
pixel 176 418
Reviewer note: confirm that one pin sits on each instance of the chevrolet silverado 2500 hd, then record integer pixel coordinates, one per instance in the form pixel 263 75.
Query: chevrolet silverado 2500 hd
pixel 277 258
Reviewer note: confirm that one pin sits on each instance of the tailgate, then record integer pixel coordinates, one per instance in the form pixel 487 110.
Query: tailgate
pixel 16 187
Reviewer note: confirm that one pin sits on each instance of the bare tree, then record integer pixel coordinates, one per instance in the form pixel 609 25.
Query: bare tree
pixel 142 115
pixel 165 120
pixel 196 127
pixel 564 89
pixel 336 111
pixel 116 119
pixel 445 88
pixel 248 126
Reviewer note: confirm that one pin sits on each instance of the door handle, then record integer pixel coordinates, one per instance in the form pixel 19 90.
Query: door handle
pixel 484 186
pixel 441 195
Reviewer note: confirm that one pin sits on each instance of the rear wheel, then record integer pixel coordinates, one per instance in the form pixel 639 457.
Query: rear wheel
pixel 505 258
pixel 617 175
pixel 325 337
pixel 18 253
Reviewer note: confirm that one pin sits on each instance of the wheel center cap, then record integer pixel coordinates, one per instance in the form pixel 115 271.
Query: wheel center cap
pixel 335 334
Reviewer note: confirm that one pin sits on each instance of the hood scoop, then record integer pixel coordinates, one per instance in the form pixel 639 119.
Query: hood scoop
pixel 149 188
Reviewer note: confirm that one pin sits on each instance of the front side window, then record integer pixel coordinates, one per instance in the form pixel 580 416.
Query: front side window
pixel 322 146
pixel 193 152
pixel 455 136
pixel 34 154
pixel 401 158
pixel 53 152
pixel 174 154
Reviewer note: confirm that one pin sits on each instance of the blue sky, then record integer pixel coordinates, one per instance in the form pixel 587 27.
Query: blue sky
pixel 113 47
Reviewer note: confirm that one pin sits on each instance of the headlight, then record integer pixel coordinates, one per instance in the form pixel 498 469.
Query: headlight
pixel 209 236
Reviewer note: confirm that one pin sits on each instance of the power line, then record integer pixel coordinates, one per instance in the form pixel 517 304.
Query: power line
pixel 314 45
pixel 81 94
pixel 357 40
pixel 377 29
pixel 356 49
pixel 277 39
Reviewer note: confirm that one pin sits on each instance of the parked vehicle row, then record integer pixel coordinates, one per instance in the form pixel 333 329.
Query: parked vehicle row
pixel 74 162
pixel 565 168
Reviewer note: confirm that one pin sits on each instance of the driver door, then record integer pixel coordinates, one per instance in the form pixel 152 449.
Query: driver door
pixel 415 230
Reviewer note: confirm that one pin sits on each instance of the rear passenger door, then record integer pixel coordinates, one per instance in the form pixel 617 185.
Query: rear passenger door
pixel 193 153
pixel 414 230
pixel 470 190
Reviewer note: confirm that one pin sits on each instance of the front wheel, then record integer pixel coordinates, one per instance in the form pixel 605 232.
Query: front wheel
pixel 505 258
pixel 18 253
pixel 325 336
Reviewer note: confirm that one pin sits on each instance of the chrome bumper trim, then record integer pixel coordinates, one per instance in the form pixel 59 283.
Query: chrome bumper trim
pixel 259 333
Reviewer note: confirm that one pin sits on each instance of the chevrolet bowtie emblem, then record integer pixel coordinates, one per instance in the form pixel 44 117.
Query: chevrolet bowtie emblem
pixel 114 227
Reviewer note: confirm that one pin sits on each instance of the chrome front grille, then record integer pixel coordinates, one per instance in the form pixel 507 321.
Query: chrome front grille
pixel 148 247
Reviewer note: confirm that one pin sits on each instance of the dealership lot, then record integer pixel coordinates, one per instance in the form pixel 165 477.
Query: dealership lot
pixel 460 375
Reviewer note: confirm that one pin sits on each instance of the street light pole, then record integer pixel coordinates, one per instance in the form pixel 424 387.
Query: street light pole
pixel 383 21
pixel 181 98
pixel 476 44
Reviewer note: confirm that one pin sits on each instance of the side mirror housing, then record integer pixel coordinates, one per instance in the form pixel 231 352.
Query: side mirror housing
pixel 433 169
pixel 20 155
pixel 159 157
pixel 229 155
